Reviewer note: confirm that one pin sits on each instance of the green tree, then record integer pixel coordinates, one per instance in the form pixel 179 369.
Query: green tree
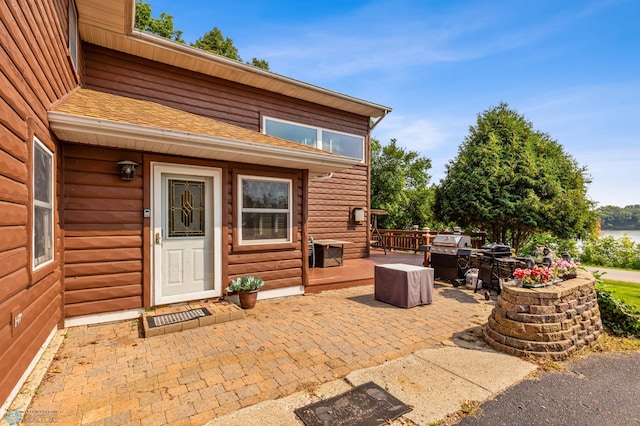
pixel 162 26
pixel 213 41
pixel 514 182
pixel 260 63
pixel 400 185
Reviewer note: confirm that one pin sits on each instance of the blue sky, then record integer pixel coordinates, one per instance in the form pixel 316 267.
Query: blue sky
pixel 570 67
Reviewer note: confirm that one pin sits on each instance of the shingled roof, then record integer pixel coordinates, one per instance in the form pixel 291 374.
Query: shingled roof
pixel 98 118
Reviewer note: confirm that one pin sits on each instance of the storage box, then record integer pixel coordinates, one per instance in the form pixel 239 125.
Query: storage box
pixel 328 256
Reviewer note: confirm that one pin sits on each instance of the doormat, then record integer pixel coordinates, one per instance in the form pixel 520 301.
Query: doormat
pixel 364 405
pixel 167 319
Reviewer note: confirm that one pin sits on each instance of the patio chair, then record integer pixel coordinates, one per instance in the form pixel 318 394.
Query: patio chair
pixel 312 253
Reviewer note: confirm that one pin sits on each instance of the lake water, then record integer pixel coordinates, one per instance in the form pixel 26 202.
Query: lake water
pixel 634 235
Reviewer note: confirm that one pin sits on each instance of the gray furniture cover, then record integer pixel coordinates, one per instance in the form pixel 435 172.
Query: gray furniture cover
pixel 403 285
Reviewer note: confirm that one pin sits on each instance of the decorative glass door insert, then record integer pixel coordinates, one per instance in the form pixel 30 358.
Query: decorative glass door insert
pixel 186 208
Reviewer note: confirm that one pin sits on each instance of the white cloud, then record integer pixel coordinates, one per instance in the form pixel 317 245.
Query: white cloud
pixel 415 134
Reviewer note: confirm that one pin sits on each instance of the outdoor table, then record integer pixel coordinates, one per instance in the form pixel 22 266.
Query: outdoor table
pixel 403 285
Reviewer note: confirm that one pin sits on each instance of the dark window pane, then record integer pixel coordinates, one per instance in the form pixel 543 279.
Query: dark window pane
pixel 338 143
pixel 43 241
pixel 261 194
pixel 265 226
pixel 300 134
pixel 41 174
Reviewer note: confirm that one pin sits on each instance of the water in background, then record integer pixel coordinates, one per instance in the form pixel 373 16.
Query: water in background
pixel 634 235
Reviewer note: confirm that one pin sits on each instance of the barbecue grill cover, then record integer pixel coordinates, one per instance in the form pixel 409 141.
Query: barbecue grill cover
pixel 497 248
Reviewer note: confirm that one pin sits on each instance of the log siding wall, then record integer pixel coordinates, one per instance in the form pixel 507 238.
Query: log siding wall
pixel 34 73
pixel 103 232
pixel 105 239
pixel 330 200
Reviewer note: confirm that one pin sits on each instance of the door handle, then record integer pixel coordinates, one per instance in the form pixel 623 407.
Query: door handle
pixel 158 238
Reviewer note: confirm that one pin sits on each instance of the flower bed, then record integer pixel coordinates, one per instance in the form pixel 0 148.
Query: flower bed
pixel 541 276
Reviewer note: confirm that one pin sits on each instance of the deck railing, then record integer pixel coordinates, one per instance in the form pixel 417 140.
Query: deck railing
pixel 411 240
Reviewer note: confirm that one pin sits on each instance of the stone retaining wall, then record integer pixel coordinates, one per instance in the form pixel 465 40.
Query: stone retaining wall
pixel 553 321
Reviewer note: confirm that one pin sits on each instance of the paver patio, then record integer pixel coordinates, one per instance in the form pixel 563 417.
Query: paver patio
pixel 108 374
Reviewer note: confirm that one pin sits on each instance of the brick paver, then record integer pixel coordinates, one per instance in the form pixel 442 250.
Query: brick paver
pixel 108 374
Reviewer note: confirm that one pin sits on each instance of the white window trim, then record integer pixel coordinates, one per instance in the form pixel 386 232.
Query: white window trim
pixel 37 144
pixel 73 33
pixel 318 130
pixel 242 210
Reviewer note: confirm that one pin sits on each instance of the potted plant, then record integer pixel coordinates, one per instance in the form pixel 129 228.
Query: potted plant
pixel 566 269
pixel 537 276
pixel 247 288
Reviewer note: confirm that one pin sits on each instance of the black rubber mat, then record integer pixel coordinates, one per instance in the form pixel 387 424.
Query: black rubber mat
pixel 364 405
pixel 167 319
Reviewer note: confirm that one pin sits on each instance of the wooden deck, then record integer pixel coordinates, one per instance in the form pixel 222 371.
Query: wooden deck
pixel 356 271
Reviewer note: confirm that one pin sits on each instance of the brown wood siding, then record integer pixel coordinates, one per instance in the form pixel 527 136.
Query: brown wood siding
pixel 103 231
pixel 331 201
pixel 34 73
pixel 104 266
pixel 114 72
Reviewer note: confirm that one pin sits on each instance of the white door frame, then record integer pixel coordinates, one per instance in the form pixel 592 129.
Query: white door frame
pixel 157 169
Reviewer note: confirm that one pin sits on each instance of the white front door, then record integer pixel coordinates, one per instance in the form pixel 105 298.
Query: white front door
pixel 186 233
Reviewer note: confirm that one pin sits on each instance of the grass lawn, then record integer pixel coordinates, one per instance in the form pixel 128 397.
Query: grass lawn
pixel 628 292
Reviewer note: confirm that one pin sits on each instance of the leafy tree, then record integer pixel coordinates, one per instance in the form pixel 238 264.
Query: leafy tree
pixel 213 41
pixel 399 185
pixel 162 26
pixel 514 182
pixel 260 63
pixel 606 251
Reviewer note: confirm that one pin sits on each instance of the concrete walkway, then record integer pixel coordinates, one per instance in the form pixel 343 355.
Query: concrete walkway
pixel 301 348
pixel 617 274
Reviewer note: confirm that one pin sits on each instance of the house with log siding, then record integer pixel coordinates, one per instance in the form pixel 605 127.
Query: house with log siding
pixel 136 172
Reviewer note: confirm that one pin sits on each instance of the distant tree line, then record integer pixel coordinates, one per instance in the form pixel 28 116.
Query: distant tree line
pixel 619 218
pixel 213 41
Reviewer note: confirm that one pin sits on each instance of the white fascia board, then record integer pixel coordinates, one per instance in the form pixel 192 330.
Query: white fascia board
pixel 251 152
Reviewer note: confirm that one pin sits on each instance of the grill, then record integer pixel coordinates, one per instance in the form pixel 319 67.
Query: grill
pixel 496 265
pixel 495 250
pixel 450 255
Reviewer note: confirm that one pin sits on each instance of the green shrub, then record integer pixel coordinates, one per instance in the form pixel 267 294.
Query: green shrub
pixel 609 251
pixel 621 318
pixel 558 245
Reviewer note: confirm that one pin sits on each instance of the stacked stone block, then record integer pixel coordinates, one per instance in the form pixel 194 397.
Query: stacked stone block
pixel 552 322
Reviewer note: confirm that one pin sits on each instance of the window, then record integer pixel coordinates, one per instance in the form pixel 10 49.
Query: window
pixel 73 33
pixel 42 204
pixel 264 210
pixel 327 140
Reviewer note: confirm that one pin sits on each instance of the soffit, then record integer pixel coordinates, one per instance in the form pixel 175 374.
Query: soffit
pixel 97 118
pixel 110 24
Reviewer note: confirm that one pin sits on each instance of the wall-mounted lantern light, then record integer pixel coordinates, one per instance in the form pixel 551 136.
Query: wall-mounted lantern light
pixel 127 169
pixel 358 214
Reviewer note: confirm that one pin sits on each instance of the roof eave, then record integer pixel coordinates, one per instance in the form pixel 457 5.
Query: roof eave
pixel 115 134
